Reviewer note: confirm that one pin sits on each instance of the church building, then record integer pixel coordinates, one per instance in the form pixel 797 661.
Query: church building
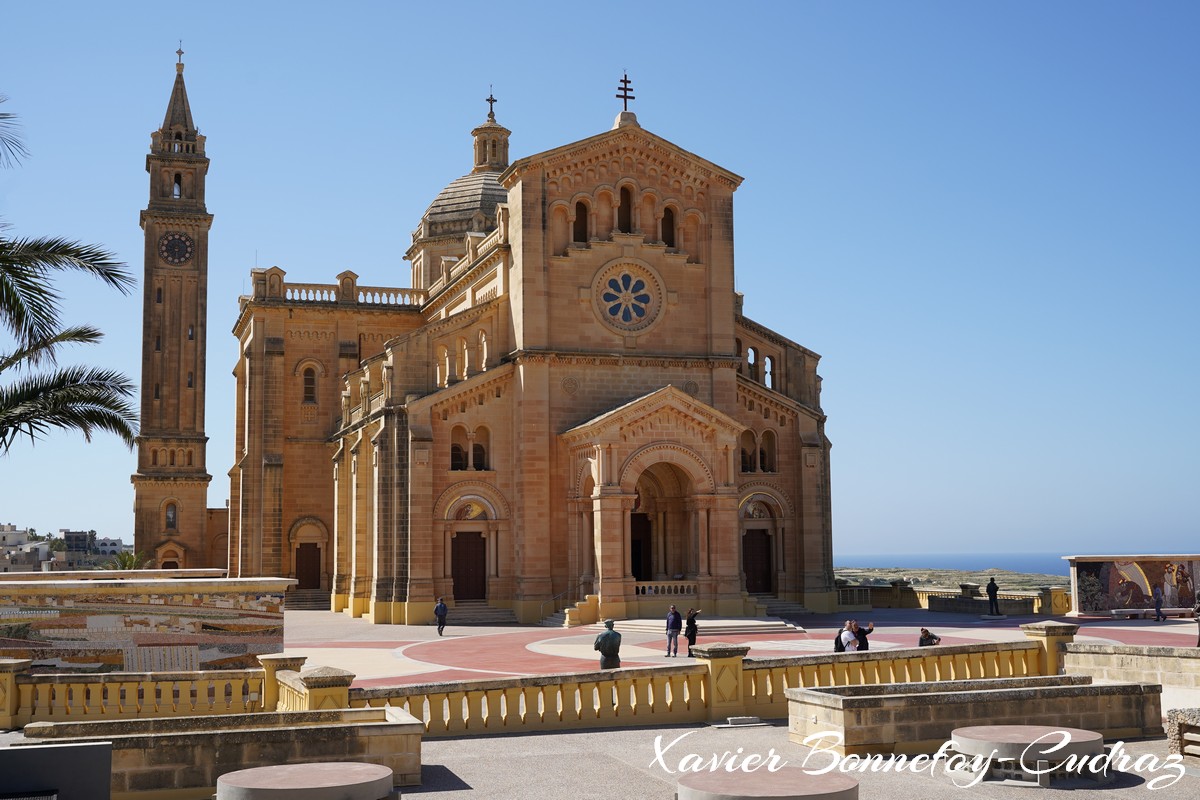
pixel 566 411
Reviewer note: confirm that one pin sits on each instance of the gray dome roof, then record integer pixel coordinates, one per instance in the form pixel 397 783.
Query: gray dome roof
pixel 467 204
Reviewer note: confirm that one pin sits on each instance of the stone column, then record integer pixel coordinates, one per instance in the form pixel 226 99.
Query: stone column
pixel 10 698
pixel 326 688
pixel 1049 635
pixel 272 664
pixel 723 684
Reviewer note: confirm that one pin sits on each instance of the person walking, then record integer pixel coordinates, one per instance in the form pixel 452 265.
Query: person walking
pixel 861 634
pixel 439 611
pixel 993 592
pixel 674 626
pixel 1158 603
pixel 690 629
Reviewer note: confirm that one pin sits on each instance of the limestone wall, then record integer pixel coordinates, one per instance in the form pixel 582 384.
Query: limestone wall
pixel 1177 669
pixel 97 625
pixel 919 717
pixel 183 757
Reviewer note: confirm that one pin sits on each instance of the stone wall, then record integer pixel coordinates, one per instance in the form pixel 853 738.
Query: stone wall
pixel 169 757
pixel 920 717
pixel 125 624
pixel 1177 669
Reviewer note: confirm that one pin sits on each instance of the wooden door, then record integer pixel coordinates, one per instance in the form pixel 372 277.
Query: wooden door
pixel 468 554
pixel 756 561
pixel 308 566
pixel 639 546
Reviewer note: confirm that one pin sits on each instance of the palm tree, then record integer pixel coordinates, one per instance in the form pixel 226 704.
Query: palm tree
pixel 127 560
pixel 86 399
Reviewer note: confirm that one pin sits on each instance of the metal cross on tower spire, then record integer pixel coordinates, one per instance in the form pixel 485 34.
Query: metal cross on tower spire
pixel 623 90
pixel 179 52
pixel 491 101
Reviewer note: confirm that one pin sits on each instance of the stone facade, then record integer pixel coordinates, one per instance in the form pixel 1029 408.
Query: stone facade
pixel 568 402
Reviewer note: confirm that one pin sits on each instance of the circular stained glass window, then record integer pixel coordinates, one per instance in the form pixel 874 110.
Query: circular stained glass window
pixel 627 297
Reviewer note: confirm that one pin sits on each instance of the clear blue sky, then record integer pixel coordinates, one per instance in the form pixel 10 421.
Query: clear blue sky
pixel 984 216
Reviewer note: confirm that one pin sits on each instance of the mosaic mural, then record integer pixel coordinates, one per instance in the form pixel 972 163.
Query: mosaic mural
pixel 1105 585
pixel 90 629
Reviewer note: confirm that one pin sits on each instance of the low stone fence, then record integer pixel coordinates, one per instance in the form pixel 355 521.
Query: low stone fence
pixel 723 684
pixel 1045 601
pixel 957 604
pixel 1177 669
pixel 919 717
pixel 182 758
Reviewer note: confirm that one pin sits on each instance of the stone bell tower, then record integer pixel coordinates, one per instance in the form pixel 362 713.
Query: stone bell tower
pixel 171 482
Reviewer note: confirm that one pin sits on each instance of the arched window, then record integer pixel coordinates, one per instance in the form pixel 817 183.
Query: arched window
pixel 668 227
pixel 483 354
pixel 443 366
pixel 463 358
pixel 189 458
pixel 479 449
pixel 766 452
pixel 749 451
pixel 154 458
pixel 177 186
pixel 310 385
pixel 189 380
pixel 580 232
pixel 172 458
pixel 458 457
pixel 752 364
pixel 156 396
pixel 191 332
pixel 737 343
pixel 769 371
pixel 157 343
pixel 158 295
pixel 170 515
pixel 625 211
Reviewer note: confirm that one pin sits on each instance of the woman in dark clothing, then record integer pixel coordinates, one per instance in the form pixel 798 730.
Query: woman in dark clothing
pixel 690 630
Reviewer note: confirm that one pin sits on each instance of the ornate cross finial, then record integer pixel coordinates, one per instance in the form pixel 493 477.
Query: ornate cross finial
pixel 179 52
pixel 491 101
pixel 624 95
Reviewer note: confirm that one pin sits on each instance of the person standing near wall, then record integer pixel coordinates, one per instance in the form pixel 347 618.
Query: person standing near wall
pixel 691 629
pixel 1158 601
pixel 674 626
pixel 993 593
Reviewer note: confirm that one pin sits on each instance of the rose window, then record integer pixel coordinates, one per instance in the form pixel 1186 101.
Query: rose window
pixel 627 297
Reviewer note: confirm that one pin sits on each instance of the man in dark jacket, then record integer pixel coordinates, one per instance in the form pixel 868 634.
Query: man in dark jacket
pixel 993 592
pixel 439 611
pixel 674 626
pixel 861 634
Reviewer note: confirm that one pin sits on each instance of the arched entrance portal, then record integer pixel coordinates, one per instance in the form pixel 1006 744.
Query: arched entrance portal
pixel 659 544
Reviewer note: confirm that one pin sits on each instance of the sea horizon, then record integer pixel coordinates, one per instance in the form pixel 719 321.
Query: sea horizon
pixel 1039 563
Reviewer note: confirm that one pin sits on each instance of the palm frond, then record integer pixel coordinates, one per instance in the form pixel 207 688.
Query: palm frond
pixel 12 149
pixel 84 399
pixel 28 302
pixel 45 350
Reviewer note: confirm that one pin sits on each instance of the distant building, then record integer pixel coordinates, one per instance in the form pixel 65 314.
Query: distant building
pixel 107 546
pixel 76 541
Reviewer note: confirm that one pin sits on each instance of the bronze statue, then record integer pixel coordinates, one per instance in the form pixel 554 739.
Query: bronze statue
pixel 609 645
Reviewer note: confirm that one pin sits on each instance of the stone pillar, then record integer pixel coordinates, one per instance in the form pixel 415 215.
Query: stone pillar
pixel 10 698
pixel 326 688
pixel 272 664
pixel 723 684
pixel 1049 635
pixel 898 587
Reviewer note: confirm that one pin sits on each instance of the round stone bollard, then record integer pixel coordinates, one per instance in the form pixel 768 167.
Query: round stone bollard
pixel 335 780
pixel 788 783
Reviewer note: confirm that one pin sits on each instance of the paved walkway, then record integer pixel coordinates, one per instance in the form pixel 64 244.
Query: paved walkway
pixel 394 655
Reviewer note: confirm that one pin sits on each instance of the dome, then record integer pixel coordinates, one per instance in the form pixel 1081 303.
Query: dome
pixel 467 204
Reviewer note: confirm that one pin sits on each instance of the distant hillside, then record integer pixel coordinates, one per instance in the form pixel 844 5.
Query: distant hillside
pixel 948 578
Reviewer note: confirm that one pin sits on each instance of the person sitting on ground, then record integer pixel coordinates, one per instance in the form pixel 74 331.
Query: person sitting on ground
pixel 928 639
pixel 848 637
pixel 861 634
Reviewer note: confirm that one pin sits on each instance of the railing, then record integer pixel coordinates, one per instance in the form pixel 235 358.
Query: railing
pixel 310 293
pixel 678 588
pixel 387 296
pixel 363 295
pixel 554 600
pixel 605 699
pixel 854 596
pixel 58 698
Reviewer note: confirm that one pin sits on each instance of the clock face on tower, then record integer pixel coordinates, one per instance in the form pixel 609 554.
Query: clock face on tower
pixel 176 248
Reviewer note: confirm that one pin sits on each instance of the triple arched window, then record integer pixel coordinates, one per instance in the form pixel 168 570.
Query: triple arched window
pixel 758 451
pixel 469 451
